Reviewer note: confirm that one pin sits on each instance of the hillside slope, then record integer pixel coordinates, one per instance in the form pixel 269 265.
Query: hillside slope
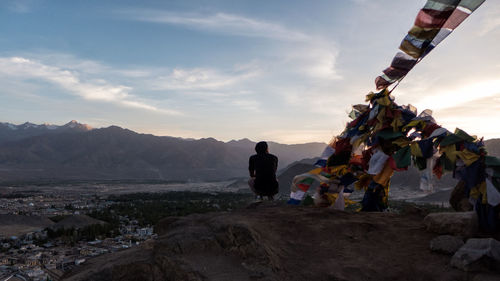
pixel 272 242
pixel 493 147
pixel 19 224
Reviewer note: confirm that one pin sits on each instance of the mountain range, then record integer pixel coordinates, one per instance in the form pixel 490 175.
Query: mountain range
pixel 74 151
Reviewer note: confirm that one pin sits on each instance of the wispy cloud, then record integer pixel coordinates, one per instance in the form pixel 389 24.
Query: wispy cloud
pixel 317 60
pixel 491 19
pixel 69 79
pixel 471 106
pixel 475 116
pixel 309 55
pixel 448 97
pixel 219 23
pixel 197 79
pixel 187 88
pixel 20 6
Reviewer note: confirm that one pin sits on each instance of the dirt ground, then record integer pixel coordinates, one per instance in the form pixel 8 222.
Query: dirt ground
pixel 274 242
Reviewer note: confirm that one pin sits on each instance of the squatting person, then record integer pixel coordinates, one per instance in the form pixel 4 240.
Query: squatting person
pixel 262 167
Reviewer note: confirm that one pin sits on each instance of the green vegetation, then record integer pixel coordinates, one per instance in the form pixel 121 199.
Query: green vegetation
pixel 107 216
pixel 16 195
pixel 57 218
pixel 149 208
pixel 88 233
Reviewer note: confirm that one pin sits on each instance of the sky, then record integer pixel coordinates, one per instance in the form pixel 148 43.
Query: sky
pixel 282 70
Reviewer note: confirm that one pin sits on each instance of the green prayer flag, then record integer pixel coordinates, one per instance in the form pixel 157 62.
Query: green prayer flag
pixel 463 135
pixel 450 139
pixel 389 134
pixel 447 164
pixel 353 114
pixel 402 157
pixel 421 163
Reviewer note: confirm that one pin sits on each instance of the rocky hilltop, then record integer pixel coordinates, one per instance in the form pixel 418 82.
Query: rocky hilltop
pixel 274 242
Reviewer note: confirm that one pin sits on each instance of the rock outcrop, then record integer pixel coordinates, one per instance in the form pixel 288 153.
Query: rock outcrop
pixel 478 254
pixel 454 223
pixel 446 244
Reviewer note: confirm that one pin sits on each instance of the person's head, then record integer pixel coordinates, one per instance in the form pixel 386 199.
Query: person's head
pixel 261 147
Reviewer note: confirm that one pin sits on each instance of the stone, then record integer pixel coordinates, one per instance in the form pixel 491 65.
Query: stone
pixel 453 223
pixel 446 244
pixel 458 201
pixel 477 254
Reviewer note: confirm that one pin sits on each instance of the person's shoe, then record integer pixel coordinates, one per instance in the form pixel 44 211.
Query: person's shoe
pixel 292 201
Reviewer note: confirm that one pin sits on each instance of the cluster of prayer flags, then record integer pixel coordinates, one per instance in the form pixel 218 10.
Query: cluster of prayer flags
pixel 384 137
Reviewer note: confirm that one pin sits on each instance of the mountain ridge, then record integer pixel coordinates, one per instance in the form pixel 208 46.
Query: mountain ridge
pixel 74 152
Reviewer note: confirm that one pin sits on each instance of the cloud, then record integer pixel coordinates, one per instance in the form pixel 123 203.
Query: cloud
pixel 488 106
pixel 197 79
pixel 219 23
pixel 316 60
pixel 20 6
pixel 472 106
pixel 447 97
pixel 289 79
pixel 69 79
pixel 359 1
pixel 491 18
pixel 310 58
pixel 188 88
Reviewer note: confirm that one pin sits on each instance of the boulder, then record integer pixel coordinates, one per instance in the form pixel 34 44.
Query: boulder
pixel 446 244
pixel 453 223
pixel 477 254
pixel 458 201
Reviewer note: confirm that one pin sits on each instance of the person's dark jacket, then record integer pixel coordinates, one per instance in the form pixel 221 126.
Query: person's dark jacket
pixel 263 167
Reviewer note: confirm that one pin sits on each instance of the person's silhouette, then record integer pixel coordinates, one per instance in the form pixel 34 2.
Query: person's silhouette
pixel 262 167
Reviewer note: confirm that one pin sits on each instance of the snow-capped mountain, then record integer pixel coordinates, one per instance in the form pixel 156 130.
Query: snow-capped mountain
pixel 12 132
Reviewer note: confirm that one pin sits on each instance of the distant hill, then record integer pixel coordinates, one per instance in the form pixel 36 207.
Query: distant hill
pixel 76 152
pixel 17 225
pixel 286 176
pixel 409 180
pixel 493 147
